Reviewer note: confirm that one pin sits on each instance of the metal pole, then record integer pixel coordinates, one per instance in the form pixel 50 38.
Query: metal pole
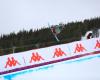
pixel 14 49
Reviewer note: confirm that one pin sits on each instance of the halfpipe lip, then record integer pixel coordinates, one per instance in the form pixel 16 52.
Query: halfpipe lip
pixel 49 62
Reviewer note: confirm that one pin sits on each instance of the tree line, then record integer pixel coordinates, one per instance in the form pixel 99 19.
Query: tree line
pixel 28 40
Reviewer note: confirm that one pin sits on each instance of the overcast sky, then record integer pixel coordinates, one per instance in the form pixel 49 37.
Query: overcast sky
pixel 17 15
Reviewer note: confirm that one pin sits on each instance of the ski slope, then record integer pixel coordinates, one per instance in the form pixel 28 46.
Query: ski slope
pixel 78 60
pixel 85 68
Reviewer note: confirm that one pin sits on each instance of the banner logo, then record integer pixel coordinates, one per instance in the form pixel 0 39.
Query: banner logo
pixel 36 57
pixel 11 62
pixel 97 44
pixel 58 53
pixel 79 48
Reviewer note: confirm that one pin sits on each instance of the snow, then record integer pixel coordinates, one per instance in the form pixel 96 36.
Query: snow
pixel 85 68
pixel 87 33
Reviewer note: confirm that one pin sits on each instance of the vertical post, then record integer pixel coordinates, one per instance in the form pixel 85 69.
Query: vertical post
pixel 14 49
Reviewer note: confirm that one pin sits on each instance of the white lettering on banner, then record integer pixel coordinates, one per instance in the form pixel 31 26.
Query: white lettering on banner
pixel 12 61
